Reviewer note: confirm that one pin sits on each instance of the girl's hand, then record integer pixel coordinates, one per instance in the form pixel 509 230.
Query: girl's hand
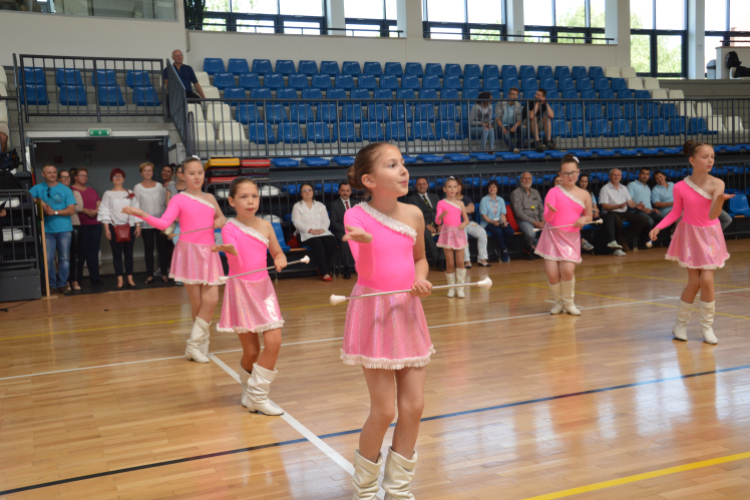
pixel 107 234
pixel 357 234
pixel 463 226
pixel 579 223
pixel 280 262
pixel 724 197
pixel 219 222
pixel 421 288
pixel 551 207
pixel 224 248
pixel 134 211
pixel 654 233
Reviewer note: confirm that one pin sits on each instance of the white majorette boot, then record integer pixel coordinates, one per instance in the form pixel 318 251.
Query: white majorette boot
pixel 244 376
pixel 258 387
pixel 206 336
pixel 460 278
pixel 708 310
pixel 398 475
pixel 557 296
pixel 568 294
pixel 451 277
pixel 365 479
pixel 193 349
pixel 679 330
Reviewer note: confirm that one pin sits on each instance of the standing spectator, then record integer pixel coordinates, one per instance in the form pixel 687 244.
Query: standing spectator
pixel 58 204
pixel 583 183
pixel 615 200
pixel 4 135
pixel 152 199
pixel 167 174
pixel 474 230
pixel 90 231
pixel 480 120
pixel 338 208
pixel 427 203
pixel 528 209
pixel 508 118
pixel 187 75
pixel 540 119
pixel 640 192
pixel 110 215
pixel 64 178
pixel 173 187
pixel 310 217
pixel 492 209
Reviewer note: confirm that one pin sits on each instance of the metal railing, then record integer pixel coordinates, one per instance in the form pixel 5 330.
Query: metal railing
pixel 89 86
pixel 19 231
pixel 177 100
pixel 17 142
pixel 504 37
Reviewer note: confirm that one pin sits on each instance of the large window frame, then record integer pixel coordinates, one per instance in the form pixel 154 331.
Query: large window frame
pixel 277 21
pixel 560 34
pixel 654 34
pixel 440 30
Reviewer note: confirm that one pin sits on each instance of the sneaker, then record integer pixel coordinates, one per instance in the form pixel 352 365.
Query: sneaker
pixel 619 253
pixel 586 245
pixel 551 145
pixel 504 257
pixel 614 244
pixel 539 148
pixel 529 252
pixel 157 273
pixel 467 264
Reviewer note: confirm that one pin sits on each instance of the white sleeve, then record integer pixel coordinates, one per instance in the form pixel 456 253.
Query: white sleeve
pixel 103 215
pixel 325 221
pixel 297 219
pixel 604 195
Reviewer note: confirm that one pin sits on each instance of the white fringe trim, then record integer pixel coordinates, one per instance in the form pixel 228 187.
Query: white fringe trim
pixel 258 329
pixel 450 203
pixel 687 266
pixel 695 187
pixel 199 200
pixel 442 245
pixel 389 222
pixel 249 231
pixel 386 364
pixel 556 259
pixel 193 282
pixel 572 197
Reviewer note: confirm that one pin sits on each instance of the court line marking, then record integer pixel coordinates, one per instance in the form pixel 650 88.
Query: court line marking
pixel 641 477
pixel 344 433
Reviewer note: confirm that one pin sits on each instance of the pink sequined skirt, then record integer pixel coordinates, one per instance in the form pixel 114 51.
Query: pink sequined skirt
pixel 249 306
pixel 556 244
pixel 452 237
pixel 194 264
pixel 698 247
pixel 387 332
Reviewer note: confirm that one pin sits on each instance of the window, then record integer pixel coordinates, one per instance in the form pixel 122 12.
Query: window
pixel 135 9
pixel 372 19
pixel 301 17
pixel 564 21
pixel 727 24
pixel 464 19
pixel 658 37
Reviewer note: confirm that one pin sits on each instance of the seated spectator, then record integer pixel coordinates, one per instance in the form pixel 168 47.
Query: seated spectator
pixel 583 183
pixel 640 192
pixel 541 115
pixel 64 178
pixel 480 120
pixel 528 208
pixel 508 118
pixel 474 230
pixel 110 215
pixel 492 209
pixel 338 208
pixel 4 135
pixel 176 187
pixel 556 181
pixel 615 200
pixel 427 203
pixel 187 75
pixel 59 205
pixel 152 199
pixel 89 231
pixel 661 195
pixel 310 217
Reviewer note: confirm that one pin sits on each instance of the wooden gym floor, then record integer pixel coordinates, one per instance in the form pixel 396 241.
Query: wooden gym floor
pixel 96 401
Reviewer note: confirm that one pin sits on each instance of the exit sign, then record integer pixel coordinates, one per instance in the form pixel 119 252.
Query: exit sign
pixel 100 132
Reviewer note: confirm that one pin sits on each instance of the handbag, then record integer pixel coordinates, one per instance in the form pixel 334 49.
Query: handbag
pixel 122 231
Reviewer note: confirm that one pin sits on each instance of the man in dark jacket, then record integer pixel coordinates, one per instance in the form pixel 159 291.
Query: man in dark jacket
pixel 337 210
pixel 427 203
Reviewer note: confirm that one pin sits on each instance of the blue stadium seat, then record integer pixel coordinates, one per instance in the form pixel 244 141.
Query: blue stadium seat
pixel 553 94
pixel 449 111
pixel 247 81
pixel 446 130
pixel 449 94
pixel 405 94
pixel 528 93
pixel 413 68
pixel 642 94
pixel 472 82
pixel 601 84
pixel 347 132
pixel 68 77
pixel 650 109
pixel 110 95
pixel 613 110
pixel 321 81
pixel 312 93
pixel 401 113
pixel 452 82
pixel 103 77
pixel 73 95
pixel 510 82
pixel 285 67
pixel 359 94
pixel 330 68
pixel 286 93
pixel 395 131
pixel 600 127
pixel 344 81
pixel 659 126
pixel 35 76
pixel 351 68
pixel 240 66
pixel 508 71
pixel 336 93
pixel 639 126
pixel 588 94
pixel 140 78
pixel 319 133
pixel 275 113
pixel 739 205
pixel 668 110
pixel 290 133
pixel 394 68
pixel 433 81
pixel 410 82
pixel 452 69
pixel 596 72
pixel 261 66
pixel 373 68
pixel 367 82
pixel 548 84
pixel 351 112
pixel 607 94
pixel 301 112
pixel 566 83
pixel 247 113
pixel 259 93
pixel 430 158
pixel 261 133
pixel 296 81
pixel 432 69
pixel 492 83
pixel 308 68
pixel 526 71
pixel 697 126
pixel 593 110
pixel 472 70
pixel 562 72
pixel 544 72
pixel 457 157
pixel 490 71
pixel 631 110
pixel 389 82
pixel 579 128
pixel 558 109
pixel 570 94
pixel 211 65
pixel 625 94
pixel 620 127
pixel 574 110
pixel 578 72
pixel 530 83
pixel 372 131
pixel 273 81
pixel 424 112
pixel 145 96
pixel 619 84
pixel 583 83
pixel 382 93
pixel 559 127
pixel 223 80
pixel 471 94
pixel 378 112
pixel 343 161
pixel 316 161
pixel 428 94
pixel 328 112
pixel 422 130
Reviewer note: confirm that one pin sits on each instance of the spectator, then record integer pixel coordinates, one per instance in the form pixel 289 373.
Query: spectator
pixel 725 220
pixel 64 178
pixel 110 215
pixel 176 187
pixel 541 115
pixel 661 195
pixel 90 231
pixel 528 209
pixel 167 174
pixel 480 120
pixel 337 209
pixel 640 192
pixel 474 230
pixel 556 181
pixel 152 199
pixel 310 217
pixel 492 209
pixel 583 183
pixel 58 204
pixel 615 200
pixel 4 135
pixel 427 203
pixel 187 75
pixel 508 118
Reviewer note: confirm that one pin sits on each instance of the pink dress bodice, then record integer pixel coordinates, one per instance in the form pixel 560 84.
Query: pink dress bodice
pixel 569 209
pixel 387 262
pixel 453 213
pixel 692 203
pixel 192 213
pixel 251 247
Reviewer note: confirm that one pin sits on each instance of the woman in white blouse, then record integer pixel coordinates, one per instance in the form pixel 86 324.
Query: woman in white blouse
pixel 110 215
pixel 310 217
pixel 152 198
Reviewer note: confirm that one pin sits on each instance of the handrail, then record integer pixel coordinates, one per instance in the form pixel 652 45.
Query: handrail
pixel 322 30
pixel 500 36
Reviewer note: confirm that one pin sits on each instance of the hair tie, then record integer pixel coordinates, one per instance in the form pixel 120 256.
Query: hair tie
pixel 576 159
pixel 451 178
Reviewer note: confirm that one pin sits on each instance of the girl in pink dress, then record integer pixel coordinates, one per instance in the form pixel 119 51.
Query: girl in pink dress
pixel 452 218
pixel 193 263
pixel 250 306
pixel 565 204
pixel 698 242
pixel 388 334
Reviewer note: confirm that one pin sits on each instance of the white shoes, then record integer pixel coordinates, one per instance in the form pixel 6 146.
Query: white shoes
pixel 460 279
pixel 257 389
pixel 586 245
pixel 451 277
pixel 614 244
pixel 399 473
pixel 197 344
pixel 365 479
pixel 619 253
pixel 244 377
pixel 708 311
pixel 568 294
pixel 679 330
pixel 557 296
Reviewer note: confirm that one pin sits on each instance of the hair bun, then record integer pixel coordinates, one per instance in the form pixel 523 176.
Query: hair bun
pixel 352 178
pixel 687 149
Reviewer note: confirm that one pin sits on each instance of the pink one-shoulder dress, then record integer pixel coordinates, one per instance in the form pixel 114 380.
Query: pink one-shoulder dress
pixel 450 236
pixel 564 243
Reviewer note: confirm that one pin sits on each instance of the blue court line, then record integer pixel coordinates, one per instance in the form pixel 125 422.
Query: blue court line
pixel 356 431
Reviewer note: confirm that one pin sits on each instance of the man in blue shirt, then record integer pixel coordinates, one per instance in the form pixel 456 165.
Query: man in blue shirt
pixel 187 75
pixel 641 194
pixel 58 204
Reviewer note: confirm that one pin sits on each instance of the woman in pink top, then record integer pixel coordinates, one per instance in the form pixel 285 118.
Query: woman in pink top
pixel 250 306
pixel 452 218
pixel 193 263
pixel 698 242
pixel 388 334
pixel 565 205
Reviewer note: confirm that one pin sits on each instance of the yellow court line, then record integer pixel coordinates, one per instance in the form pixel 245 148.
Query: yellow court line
pixel 641 477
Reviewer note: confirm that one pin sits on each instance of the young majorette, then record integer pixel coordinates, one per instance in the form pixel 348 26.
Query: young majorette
pixel 565 205
pixel 250 306
pixel 193 263
pixel 388 334
pixel 452 218
pixel 698 241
